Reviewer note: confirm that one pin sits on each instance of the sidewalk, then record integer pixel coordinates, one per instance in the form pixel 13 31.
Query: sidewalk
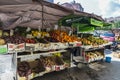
pixel 112 70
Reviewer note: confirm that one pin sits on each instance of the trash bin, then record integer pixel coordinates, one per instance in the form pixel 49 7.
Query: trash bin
pixel 108 59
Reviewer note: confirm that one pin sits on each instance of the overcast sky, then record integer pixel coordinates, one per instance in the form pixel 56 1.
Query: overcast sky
pixel 104 8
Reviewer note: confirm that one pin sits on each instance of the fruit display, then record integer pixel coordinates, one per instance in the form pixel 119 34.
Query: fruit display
pixel 40 34
pixel 2 41
pixel 92 56
pixel 62 36
pixel 93 41
pixel 52 63
pixel 50 39
pixel 29 40
pixel 42 40
pixel 23 69
pixel 36 66
pixel 15 39
pixel 49 61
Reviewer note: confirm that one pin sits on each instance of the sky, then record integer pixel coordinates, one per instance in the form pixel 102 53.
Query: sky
pixel 104 8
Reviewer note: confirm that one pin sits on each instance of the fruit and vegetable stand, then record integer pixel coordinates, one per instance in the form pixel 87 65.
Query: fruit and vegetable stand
pixel 47 51
pixel 92 48
pixel 43 51
pixel 35 51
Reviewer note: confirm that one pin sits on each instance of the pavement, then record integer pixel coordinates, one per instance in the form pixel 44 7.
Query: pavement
pixel 97 71
pixel 112 70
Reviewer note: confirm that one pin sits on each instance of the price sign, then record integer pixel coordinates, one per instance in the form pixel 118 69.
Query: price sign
pixel 11 48
pixel 20 47
pixel 3 49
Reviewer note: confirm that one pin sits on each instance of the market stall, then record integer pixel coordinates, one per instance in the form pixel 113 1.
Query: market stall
pixel 92 48
pixel 28 33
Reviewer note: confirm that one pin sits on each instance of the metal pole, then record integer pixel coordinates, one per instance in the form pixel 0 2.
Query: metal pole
pixel 42 13
pixel 42 20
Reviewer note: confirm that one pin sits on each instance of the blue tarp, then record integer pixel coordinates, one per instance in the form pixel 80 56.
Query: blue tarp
pixel 107 34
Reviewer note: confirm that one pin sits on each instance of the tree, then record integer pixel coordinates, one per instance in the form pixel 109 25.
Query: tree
pixel 116 24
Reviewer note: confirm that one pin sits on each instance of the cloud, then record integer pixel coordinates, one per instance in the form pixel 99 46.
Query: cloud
pixel 109 8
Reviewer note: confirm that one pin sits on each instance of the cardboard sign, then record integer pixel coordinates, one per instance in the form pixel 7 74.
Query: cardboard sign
pixel 20 47
pixel 11 48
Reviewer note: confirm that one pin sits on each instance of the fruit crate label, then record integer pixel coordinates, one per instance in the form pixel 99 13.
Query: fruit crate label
pixel 20 47
pixel 11 48
pixel 3 49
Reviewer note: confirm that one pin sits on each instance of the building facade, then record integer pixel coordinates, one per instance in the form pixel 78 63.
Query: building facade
pixel 73 5
pixel 113 19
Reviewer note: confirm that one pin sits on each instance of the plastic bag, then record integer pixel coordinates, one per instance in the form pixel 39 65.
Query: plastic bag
pixel 5 63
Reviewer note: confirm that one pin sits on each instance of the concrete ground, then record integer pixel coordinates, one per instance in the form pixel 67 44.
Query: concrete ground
pixel 112 70
pixel 102 71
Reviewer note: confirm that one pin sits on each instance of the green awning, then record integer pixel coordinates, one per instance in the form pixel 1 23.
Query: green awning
pixel 83 27
pixel 70 19
pixel 105 24
pixel 96 22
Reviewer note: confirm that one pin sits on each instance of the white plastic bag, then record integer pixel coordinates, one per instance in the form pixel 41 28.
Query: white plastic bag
pixel 5 63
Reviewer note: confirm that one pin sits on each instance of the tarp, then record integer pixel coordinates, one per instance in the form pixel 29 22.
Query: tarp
pixel 29 14
pixel 14 2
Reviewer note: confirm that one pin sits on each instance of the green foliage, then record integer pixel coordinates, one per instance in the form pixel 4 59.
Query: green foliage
pixel 116 24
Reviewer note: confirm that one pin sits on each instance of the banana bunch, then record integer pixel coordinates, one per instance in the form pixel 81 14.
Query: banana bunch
pixel 57 54
pixel 45 34
pixel 40 34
